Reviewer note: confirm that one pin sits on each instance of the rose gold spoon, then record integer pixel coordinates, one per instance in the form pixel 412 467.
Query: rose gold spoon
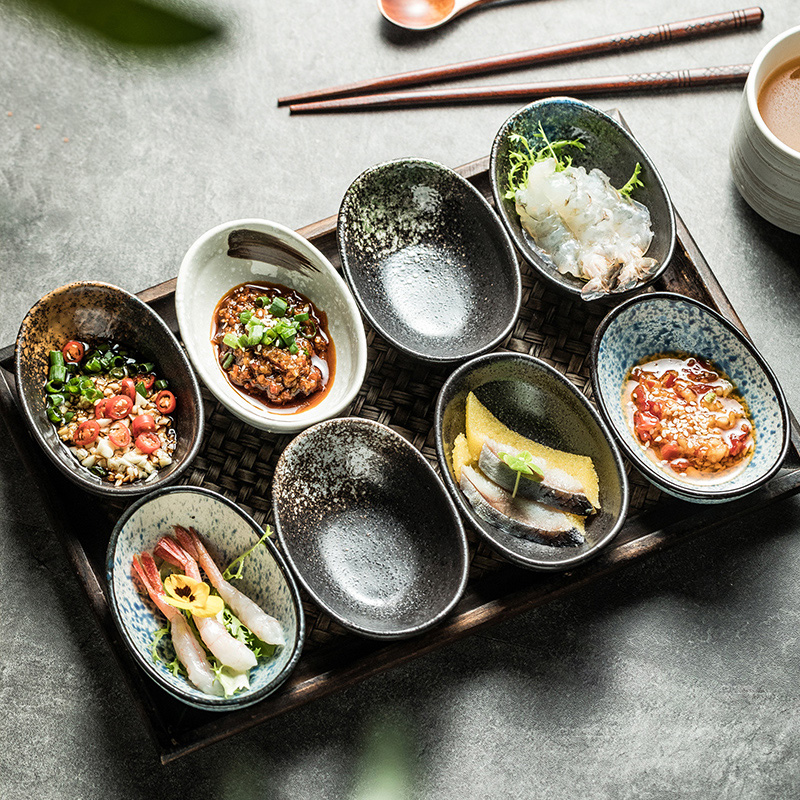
pixel 422 15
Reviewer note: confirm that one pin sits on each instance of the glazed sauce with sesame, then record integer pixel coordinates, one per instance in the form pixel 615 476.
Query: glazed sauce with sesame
pixel 684 413
pixel 292 367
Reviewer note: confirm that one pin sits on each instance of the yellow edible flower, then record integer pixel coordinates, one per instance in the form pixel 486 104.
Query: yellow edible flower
pixel 187 593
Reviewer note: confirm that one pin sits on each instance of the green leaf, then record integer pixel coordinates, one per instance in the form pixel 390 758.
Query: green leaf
pixel 231 574
pixel 132 22
pixel 633 182
pixel 522 464
pixel 157 637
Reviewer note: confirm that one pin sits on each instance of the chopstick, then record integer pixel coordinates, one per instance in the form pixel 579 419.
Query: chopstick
pixel 615 84
pixel 672 31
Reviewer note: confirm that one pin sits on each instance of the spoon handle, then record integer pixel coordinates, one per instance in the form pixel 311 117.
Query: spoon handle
pixel 578 87
pixel 658 34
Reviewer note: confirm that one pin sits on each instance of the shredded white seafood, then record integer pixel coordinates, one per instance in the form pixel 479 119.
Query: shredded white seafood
pixel 586 227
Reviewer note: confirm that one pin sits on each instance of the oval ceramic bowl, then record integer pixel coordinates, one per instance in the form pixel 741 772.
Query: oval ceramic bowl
pixel 670 323
pixel 208 273
pixel 533 399
pixel 428 261
pixel 609 147
pixel 368 528
pixel 98 312
pixel 229 532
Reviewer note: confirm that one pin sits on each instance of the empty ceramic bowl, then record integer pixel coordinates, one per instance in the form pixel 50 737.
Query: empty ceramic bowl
pixel 534 400
pixel 368 528
pixel 97 313
pixel 428 261
pixel 258 251
pixel 228 533
pixel 608 147
pixel 663 323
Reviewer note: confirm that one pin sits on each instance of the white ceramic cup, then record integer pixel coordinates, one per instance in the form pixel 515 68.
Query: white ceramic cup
pixel 765 170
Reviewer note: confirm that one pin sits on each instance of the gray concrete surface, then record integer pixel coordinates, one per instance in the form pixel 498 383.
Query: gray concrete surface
pixel 677 679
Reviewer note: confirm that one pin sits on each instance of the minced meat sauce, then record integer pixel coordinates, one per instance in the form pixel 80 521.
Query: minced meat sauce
pixel 289 371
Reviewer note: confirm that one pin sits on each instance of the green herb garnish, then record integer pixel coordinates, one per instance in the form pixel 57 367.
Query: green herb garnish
pixel 709 397
pixel 278 307
pixel 522 464
pixel 633 182
pixel 231 574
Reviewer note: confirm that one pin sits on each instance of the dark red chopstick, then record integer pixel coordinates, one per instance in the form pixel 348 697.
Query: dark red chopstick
pixel 658 34
pixel 615 84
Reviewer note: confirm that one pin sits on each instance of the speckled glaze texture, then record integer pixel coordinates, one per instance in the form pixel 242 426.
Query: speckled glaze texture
pixel 369 529
pixel 207 273
pixel 428 260
pixel 533 399
pixel 669 323
pixel 609 147
pixel 98 312
pixel 229 532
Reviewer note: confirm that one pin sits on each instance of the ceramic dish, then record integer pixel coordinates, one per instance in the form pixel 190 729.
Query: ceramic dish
pixel 671 323
pixel 97 313
pixel 208 272
pixel 533 399
pixel 609 147
pixel 229 532
pixel 368 528
pixel 428 261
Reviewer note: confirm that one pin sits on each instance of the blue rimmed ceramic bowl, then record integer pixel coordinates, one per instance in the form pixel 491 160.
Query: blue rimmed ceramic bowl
pixel 670 323
pixel 609 147
pixel 229 532
pixel 533 399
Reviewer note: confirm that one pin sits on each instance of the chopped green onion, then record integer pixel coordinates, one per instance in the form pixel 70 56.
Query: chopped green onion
pixel 161 384
pixel 278 307
pixel 313 332
pixel 54 387
pixel 72 387
pixel 262 301
pixel 146 368
pixel 301 317
pixel 293 349
pixel 56 399
pixel 140 389
pixel 242 341
pixel 270 335
pixel 231 340
pixel 99 471
pixel 68 416
pixel 118 361
pixel 116 373
pixel 92 394
pixel 54 415
pixel 56 358
pixel 246 316
pixel 254 337
pixel 93 365
pixel 58 373
pixel 226 364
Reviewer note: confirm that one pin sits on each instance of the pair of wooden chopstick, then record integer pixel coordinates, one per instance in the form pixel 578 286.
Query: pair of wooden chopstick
pixel 373 93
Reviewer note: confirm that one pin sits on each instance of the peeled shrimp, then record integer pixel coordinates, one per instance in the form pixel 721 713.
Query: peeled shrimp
pixel 231 652
pixel 189 651
pixel 267 628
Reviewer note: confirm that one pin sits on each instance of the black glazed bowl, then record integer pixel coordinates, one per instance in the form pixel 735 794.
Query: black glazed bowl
pixel 535 400
pixel 609 147
pixel 368 528
pixel 428 261
pixel 98 312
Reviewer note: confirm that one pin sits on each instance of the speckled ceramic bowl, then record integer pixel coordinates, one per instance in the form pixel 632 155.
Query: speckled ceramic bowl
pixel 670 323
pixel 369 529
pixel 533 399
pixel 609 147
pixel 428 261
pixel 208 272
pixel 98 312
pixel 229 532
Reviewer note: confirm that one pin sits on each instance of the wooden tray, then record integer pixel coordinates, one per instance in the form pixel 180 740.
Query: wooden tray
pixel 238 461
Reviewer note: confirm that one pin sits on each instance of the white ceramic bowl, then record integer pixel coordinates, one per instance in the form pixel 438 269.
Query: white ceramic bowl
pixel 765 170
pixel 207 273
